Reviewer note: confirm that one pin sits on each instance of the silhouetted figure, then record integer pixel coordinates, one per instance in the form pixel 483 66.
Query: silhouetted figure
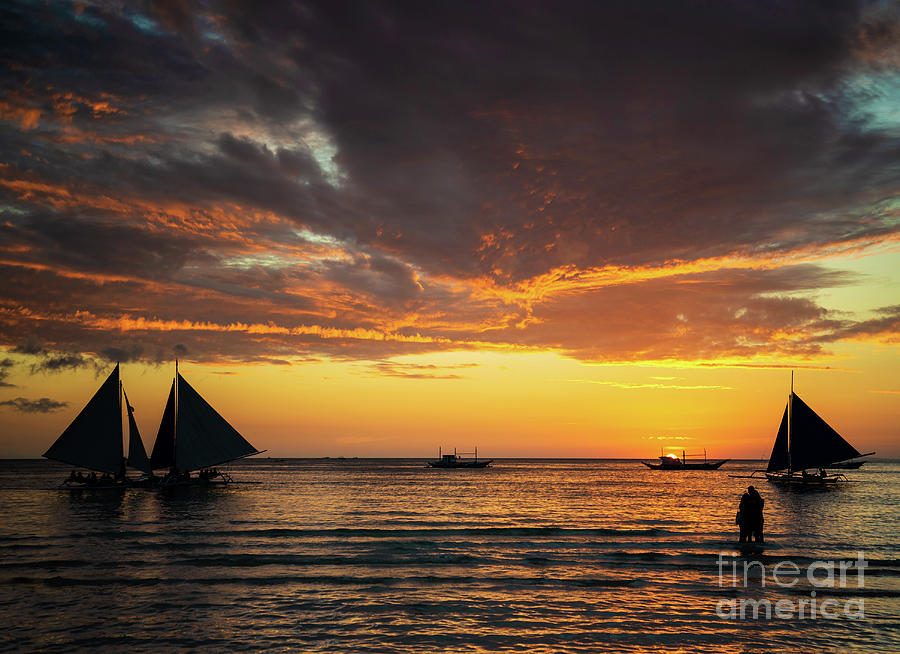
pixel 751 516
pixel 741 523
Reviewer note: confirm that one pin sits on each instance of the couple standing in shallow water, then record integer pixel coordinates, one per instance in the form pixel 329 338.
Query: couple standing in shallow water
pixel 750 516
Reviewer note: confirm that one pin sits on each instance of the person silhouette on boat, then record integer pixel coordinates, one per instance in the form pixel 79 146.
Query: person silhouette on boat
pixel 751 516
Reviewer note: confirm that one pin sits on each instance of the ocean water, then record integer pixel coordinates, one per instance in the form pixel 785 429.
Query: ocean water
pixel 387 556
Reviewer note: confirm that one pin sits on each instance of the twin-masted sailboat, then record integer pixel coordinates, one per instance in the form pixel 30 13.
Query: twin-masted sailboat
pixel 192 437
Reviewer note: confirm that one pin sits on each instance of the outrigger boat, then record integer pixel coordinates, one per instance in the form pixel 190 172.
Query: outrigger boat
pixel 456 461
pixel 672 462
pixel 94 441
pixel 806 447
pixel 192 437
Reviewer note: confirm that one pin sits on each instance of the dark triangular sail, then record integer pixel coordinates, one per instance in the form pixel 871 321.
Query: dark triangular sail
pixel 204 437
pixel 780 459
pixel 137 455
pixel 814 444
pixel 94 439
pixel 163 455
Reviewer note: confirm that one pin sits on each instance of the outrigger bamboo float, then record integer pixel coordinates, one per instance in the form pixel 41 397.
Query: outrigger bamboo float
pixel 805 448
pixel 192 437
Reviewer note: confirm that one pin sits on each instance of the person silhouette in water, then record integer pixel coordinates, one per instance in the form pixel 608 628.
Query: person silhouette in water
pixel 751 516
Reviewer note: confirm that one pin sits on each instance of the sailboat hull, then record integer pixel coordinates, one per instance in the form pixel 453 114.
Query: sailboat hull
pixel 150 483
pixel 459 464
pixel 99 485
pixel 795 480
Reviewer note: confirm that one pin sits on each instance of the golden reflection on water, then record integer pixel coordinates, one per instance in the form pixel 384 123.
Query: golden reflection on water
pixel 385 555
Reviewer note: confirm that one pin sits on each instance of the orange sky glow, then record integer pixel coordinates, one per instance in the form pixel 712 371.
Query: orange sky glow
pixel 394 254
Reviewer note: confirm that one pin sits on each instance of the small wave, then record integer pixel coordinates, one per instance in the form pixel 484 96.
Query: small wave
pixel 376 532
pixel 844 592
pixel 50 564
pixel 501 581
pixel 604 583
pixel 641 556
pixel 256 560
pixel 660 521
pixel 430 532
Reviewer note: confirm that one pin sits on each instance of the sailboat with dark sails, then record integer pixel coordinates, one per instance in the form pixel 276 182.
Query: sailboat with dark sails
pixel 93 441
pixel 194 437
pixel 805 442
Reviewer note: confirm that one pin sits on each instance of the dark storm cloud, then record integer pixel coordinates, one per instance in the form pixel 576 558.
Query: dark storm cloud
pixel 404 167
pixel 43 405
pixel 60 362
pixel 590 133
pixel 45 360
pixel 5 366
pixel 286 181
pixel 100 245
pixel 134 352
pixel 380 278
pixel 32 345
pixel 575 133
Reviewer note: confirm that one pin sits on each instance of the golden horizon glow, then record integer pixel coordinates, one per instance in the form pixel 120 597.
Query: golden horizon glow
pixel 509 405
pixel 438 259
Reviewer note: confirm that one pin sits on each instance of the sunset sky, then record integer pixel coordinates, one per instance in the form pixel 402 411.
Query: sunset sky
pixel 376 228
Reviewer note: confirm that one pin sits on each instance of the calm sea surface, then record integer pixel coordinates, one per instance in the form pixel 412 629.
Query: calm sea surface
pixel 387 556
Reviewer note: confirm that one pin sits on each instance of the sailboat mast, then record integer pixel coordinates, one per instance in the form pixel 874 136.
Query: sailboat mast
pixel 122 426
pixel 119 398
pixel 790 411
pixel 175 417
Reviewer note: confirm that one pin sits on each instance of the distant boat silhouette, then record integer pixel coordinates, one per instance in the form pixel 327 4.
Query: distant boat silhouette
pixel 456 461
pixel 806 442
pixel 193 436
pixel 672 462
pixel 94 440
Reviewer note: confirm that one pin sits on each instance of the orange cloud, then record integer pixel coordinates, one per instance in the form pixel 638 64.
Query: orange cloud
pixel 71 134
pixel 65 105
pixel 27 117
pixel 571 279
